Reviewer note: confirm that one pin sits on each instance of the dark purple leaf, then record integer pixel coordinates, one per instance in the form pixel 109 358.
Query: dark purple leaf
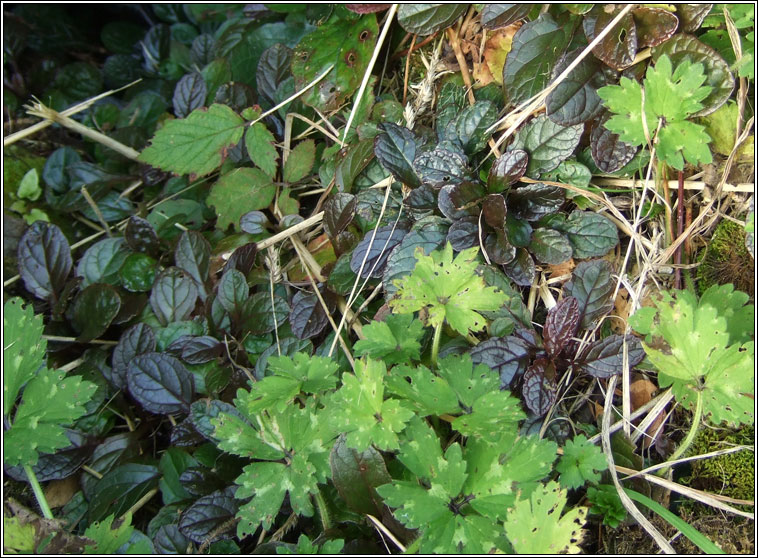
pixel 691 16
pixel 169 540
pixel 682 47
pixel 185 435
pixel 173 296
pixel 200 481
pixel 591 235
pixel 518 231
pixel 441 166
pixel 61 464
pixel 93 311
pixel 605 358
pixel 506 170
pixel 254 222
pixel 367 8
pixel 120 489
pixel 539 388
pixel 560 325
pixel 140 236
pixel 428 234
pixel 236 95
pixel 356 476
pixel 378 252
pixel 207 514
pixel 193 254
pixel 575 99
pixel 534 201
pixel 466 195
pixel 521 270
pixel 500 15
pixel 547 143
pixel 469 128
pixel 448 209
pixel 550 247
pixel 464 233
pixel 592 286
pixel 203 348
pixel 395 147
pixel 339 211
pixel 232 291
pixel 44 260
pixel 273 69
pixel 258 316
pixel 307 316
pixel 609 153
pixel 508 356
pixel 243 258
pixel 137 340
pixel 204 410
pixel 654 25
pixel 160 383
pixel 203 50
pixel 618 48
pixel 421 201
pixel 499 250
pixel 425 19
pixel 189 94
pixel 536 47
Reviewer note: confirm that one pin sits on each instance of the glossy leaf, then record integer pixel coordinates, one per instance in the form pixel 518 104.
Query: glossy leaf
pixel 536 48
pixel 499 15
pixel 121 488
pixel 441 166
pixel 539 388
pixel 137 340
pixel 202 349
pixel 470 126
pixel 534 201
pixel 259 316
pixel 204 517
pixel 307 316
pixel 379 251
pixel 273 69
pixel 170 540
pixel 356 476
pixel 560 325
pixel 654 25
pixel 575 99
pixel 102 261
pixel 592 286
pixel 591 235
pixel 140 235
pixel 343 43
pixel 173 296
pixel 608 151
pixel 44 260
pixel 339 210
pixel 691 16
pixel 521 269
pixel 396 148
pixel 232 291
pixel 498 248
pixel 239 191
pixel 506 170
pixel 463 234
pixel 193 254
pixel 550 247
pixel 253 222
pixel 261 147
pixel 93 310
pixel 429 234
pixel 425 19
pixel 508 356
pixel 160 383
pixel 196 144
pixel 357 157
pixel 189 94
pixel 618 48
pixel 547 144
pixel 605 358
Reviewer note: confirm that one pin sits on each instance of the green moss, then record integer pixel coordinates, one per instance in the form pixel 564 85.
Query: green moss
pixel 732 474
pixel 727 260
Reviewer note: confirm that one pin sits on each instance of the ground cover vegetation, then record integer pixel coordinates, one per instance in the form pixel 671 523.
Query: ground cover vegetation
pixel 365 278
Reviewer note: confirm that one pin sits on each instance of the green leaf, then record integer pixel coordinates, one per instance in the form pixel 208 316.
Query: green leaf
pixel 261 146
pixel 196 144
pixel 449 289
pixel 360 411
pixel 300 161
pixel 291 376
pixel 429 233
pixel 93 310
pixel 306 546
pixel 535 525
pixel 547 143
pixel 395 147
pixel 107 538
pixel 395 340
pixel 423 390
pixel 425 19
pixel 469 127
pixel 29 187
pixel 591 235
pixel 238 192
pixel 702 358
pixel 582 461
pixel 550 246
pixel 102 261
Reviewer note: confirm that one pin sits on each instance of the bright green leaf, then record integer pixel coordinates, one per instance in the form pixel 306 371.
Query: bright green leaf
pixel 300 161
pixel 581 462
pixel 238 192
pixel 260 144
pixel 395 340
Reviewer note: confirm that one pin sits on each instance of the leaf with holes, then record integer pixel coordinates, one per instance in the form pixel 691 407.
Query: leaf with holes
pixel 160 383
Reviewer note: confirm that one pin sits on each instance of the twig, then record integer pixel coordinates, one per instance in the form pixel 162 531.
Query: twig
pixel 408 70
pixel 686 184
pixel 96 209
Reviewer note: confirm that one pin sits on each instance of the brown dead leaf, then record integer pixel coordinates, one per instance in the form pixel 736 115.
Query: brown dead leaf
pixel 560 270
pixel 641 391
pixel 59 492
pixel 622 310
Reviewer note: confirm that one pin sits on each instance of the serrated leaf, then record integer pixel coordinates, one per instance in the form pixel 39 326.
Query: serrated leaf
pixel 396 148
pixel 193 254
pixel 196 144
pixel 23 348
pixel 363 413
pixel 160 383
pixel 508 356
pixel 534 525
pixel 547 143
pixel 239 191
pixel 429 234
pixel 591 235
pixel 356 475
pixel 592 287
pixel 425 391
pixel 536 48
pixel 581 462
pixel 449 289
pixel 108 539
pixel 260 145
pixel 44 260
pixel 395 340
pixel 173 296
pixel 425 19
pixel 93 310
pixel 550 247
pixel 605 358
pixel 560 325
pixel 300 161
pixel 189 94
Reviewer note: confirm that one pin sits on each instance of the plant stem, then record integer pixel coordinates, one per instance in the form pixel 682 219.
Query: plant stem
pixel 687 442
pixel 436 344
pixel 323 512
pixel 37 489
pixel 413 547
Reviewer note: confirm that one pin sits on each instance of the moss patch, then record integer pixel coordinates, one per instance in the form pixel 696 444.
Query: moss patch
pixel 726 260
